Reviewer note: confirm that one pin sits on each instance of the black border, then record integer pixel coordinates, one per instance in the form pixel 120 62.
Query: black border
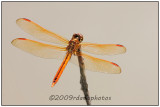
pixel 79 1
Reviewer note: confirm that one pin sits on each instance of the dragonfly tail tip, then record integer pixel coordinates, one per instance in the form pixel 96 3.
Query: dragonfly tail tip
pixel 52 84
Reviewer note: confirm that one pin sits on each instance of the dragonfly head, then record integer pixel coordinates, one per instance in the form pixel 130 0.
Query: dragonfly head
pixel 78 36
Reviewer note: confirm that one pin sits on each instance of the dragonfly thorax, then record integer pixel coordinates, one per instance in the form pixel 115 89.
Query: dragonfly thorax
pixel 74 43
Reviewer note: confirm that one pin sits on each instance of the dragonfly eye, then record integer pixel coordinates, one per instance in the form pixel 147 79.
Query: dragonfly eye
pixel 81 39
pixel 78 36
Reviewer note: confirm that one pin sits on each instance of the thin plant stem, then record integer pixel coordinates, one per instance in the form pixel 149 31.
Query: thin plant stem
pixel 83 80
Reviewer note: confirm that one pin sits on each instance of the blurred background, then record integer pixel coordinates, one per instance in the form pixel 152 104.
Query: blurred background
pixel 26 79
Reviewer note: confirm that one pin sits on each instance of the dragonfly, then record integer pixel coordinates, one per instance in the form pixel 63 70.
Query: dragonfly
pixel 66 50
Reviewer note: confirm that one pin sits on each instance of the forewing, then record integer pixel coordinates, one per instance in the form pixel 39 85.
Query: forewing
pixel 39 49
pixel 103 49
pixel 39 32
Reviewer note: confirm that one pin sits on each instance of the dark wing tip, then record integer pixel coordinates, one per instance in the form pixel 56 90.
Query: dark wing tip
pixel 118 71
pixel 14 41
pixel 119 45
pixel 27 19
pixel 23 19
pixel 115 64
pixel 22 38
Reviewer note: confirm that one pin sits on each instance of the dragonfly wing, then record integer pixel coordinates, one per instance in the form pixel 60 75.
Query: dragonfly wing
pixel 96 64
pixel 103 49
pixel 39 49
pixel 39 32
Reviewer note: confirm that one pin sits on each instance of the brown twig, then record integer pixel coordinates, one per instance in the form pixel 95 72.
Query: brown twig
pixel 83 81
